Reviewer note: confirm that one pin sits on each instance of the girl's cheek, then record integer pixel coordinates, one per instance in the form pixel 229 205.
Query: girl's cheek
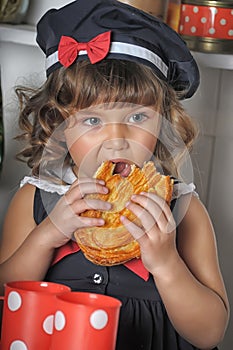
pixel 84 156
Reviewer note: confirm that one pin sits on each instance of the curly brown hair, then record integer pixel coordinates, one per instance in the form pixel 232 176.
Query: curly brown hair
pixel 83 85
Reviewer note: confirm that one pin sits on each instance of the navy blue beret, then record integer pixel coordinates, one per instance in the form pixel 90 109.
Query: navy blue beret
pixel 109 29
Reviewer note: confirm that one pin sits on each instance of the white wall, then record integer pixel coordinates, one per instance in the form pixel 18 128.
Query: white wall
pixel 212 157
pixel 18 66
pixel 213 165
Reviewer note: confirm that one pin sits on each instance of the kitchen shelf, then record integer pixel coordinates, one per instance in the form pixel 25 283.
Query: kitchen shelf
pixel 23 34
pixel 26 35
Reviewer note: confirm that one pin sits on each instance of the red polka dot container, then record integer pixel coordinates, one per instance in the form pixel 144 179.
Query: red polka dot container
pixel 28 314
pixel 85 321
pixel 207 26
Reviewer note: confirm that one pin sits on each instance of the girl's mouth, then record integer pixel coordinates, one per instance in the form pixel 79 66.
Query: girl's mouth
pixel 122 168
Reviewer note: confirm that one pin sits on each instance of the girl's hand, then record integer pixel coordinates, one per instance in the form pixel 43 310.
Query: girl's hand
pixel 65 218
pixel 157 234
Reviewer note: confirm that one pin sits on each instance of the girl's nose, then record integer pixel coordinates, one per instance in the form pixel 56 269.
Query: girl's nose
pixel 116 136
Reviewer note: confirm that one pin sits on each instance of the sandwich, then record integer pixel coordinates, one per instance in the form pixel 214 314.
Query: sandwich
pixel 112 244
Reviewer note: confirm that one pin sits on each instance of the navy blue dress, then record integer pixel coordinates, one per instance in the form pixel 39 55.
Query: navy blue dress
pixel 144 323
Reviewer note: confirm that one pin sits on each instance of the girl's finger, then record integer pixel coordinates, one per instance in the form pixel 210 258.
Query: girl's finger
pixel 88 222
pixel 135 230
pixel 159 201
pixel 147 220
pixel 84 204
pixel 149 212
pixel 75 223
pixel 171 226
pixel 81 189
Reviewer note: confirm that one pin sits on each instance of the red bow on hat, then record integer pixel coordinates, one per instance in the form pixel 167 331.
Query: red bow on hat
pixel 97 48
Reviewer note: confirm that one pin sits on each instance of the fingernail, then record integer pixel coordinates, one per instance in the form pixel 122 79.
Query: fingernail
pixel 100 222
pixel 101 182
pixel 108 205
pixel 105 189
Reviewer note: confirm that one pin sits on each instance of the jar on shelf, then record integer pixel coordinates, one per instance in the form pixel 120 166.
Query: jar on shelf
pixel 207 26
pixel 156 8
pixel 13 11
pixel 173 14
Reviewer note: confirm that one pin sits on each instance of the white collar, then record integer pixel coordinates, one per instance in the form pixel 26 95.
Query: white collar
pixel 48 186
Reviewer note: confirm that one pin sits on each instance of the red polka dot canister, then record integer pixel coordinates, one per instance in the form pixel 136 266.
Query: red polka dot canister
pixel 85 321
pixel 207 26
pixel 28 314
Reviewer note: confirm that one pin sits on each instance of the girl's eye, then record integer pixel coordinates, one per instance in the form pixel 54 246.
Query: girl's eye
pixel 92 121
pixel 138 118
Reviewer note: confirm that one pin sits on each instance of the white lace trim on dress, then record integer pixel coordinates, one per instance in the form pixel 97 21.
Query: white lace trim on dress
pixel 45 185
pixel 181 188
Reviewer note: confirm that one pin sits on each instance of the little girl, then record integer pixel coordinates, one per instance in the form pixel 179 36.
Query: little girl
pixel 115 76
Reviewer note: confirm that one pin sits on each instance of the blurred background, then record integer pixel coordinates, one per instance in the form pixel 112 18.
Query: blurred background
pixel 207 27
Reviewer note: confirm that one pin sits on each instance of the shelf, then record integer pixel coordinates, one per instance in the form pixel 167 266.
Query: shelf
pixel 212 60
pixel 23 34
pixel 26 35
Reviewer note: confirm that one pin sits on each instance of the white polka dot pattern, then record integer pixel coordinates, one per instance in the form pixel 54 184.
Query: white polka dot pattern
pixel 206 21
pixel 48 324
pixel 15 305
pixel 18 345
pixel 211 30
pixel 14 301
pixel 98 322
pixel 60 321
pixel 223 22
pixel 99 319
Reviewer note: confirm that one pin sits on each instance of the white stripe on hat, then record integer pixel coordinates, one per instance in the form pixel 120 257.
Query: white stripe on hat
pixel 125 49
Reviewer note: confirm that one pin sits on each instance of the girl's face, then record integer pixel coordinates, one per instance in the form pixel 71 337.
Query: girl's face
pixel 122 133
